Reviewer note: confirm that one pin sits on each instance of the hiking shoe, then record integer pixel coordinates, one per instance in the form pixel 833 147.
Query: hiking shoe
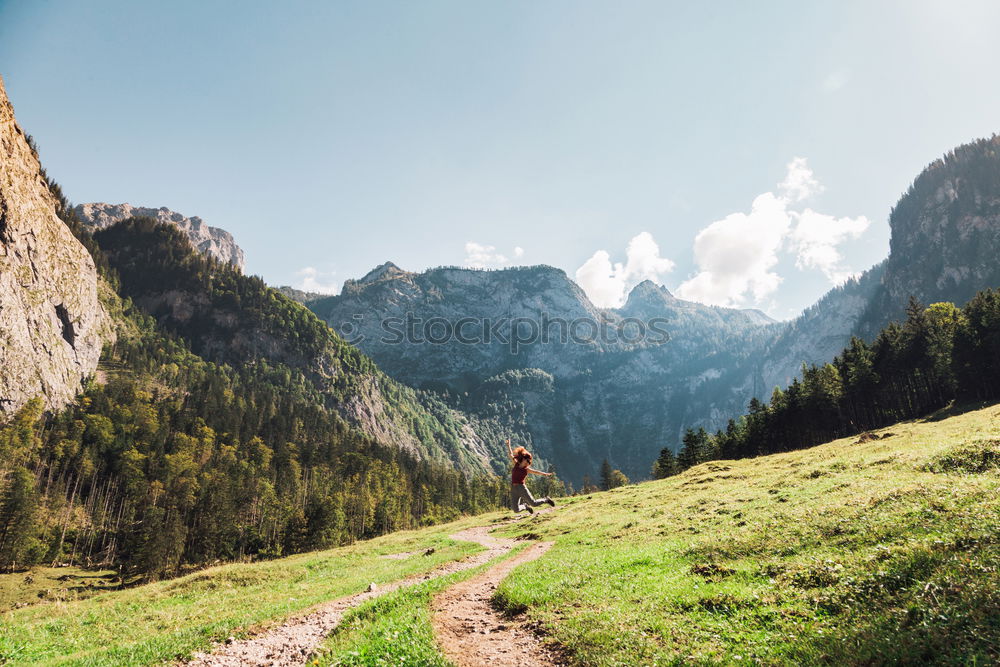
pixel 550 502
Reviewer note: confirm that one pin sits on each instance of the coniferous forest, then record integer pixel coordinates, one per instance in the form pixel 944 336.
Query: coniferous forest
pixel 938 355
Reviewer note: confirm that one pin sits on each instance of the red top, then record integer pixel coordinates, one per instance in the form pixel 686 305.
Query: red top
pixel 518 474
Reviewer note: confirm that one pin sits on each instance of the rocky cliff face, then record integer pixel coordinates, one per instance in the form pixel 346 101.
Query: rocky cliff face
pixel 447 324
pixel 210 241
pixel 52 325
pixel 945 234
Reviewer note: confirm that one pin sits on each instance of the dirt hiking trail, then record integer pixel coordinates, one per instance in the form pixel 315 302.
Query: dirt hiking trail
pixel 294 641
pixel 471 632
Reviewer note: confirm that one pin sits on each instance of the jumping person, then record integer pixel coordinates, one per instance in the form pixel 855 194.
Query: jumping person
pixel 520 497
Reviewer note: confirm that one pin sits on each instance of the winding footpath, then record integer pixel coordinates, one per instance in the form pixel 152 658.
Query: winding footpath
pixel 471 632
pixel 293 642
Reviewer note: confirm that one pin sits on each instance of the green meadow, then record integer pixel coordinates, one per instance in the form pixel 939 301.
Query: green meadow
pixel 882 549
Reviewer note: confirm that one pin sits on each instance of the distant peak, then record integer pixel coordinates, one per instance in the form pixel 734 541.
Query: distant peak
pixel 758 316
pixel 381 272
pixel 649 287
pixel 648 293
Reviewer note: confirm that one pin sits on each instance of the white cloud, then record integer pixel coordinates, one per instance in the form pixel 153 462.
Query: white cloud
pixel 479 256
pixel 799 183
pixel 815 240
pixel 607 283
pixel 314 280
pixel 736 255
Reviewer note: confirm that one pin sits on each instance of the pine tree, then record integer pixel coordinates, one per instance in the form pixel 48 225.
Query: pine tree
pixel 694 447
pixel 616 479
pixel 18 514
pixel 665 465
pixel 606 471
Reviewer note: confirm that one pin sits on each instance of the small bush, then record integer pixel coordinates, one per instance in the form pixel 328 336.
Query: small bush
pixel 976 457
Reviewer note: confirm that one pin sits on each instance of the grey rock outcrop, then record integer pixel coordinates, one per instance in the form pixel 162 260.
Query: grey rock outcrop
pixel 52 324
pixel 211 241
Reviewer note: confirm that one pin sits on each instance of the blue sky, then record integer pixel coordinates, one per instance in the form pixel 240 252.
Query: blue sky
pixel 329 137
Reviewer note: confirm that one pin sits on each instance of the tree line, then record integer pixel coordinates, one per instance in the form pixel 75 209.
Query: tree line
pixel 939 354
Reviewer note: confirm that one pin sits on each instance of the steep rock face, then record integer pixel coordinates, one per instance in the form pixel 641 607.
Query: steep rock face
pixel 52 325
pixel 210 241
pixel 450 324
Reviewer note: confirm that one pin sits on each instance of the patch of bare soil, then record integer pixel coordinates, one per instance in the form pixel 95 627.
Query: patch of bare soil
pixel 471 632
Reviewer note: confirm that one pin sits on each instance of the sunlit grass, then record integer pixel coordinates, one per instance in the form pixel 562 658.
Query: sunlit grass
pixel 844 553
pixel 394 629
pixel 172 619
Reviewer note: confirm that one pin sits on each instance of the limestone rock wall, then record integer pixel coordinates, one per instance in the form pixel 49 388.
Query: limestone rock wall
pixel 52 325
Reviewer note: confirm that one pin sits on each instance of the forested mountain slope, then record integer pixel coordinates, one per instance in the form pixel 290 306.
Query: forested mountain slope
pixel 944 244
pixel 223 421
pixel 234 319
pixel 171 459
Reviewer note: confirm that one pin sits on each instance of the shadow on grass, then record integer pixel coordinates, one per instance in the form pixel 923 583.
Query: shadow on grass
pixel 953 410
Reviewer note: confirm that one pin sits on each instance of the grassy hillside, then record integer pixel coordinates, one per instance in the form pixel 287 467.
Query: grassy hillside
pixel 160 622
pixel 859 551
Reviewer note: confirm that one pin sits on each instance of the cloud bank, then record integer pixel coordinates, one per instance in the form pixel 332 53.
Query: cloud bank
pixel 319 282
pixel 607 284
pixel 479 256
pixel 736 256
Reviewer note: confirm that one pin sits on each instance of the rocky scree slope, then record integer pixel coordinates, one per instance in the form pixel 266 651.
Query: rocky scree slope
pixel 52 324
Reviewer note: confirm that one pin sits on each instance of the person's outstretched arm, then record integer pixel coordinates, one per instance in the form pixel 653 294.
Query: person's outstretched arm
pixel 509 450
pixel 539 472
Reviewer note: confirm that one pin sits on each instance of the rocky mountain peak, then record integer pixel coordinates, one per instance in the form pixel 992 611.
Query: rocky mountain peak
pixel 648 293
pixel 384 271
pixel 945 233
pixel 211 241
pixel 52 324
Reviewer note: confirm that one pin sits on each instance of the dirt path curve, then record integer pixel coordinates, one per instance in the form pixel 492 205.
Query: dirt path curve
pixel 293 642
pixel 471 633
